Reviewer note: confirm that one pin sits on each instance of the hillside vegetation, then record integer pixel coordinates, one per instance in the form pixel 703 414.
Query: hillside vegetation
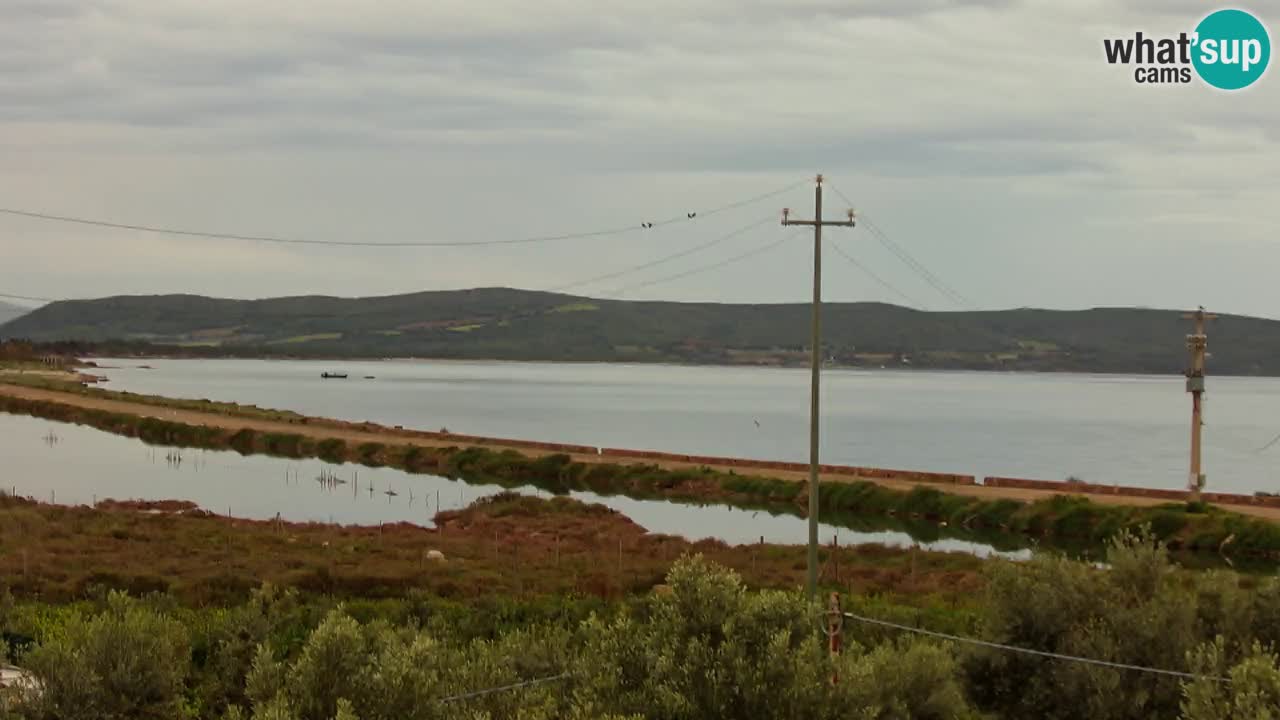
pixel 1165 644
pixel 497 323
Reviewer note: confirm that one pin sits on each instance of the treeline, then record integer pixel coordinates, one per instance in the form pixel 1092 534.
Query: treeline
pixel 20 351
pixel 702 647
pixel 23 348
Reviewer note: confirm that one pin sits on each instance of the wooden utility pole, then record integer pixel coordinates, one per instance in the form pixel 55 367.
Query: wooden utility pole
pixel 811 580
pixel 1196 344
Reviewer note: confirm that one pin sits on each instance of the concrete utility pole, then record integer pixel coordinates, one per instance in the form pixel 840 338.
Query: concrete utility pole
pixel 811 581
pixel 1196 343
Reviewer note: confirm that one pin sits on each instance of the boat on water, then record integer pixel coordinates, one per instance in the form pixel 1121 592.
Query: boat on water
pixel 333 376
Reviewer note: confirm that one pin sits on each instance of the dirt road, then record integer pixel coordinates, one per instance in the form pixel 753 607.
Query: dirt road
pixel 320 428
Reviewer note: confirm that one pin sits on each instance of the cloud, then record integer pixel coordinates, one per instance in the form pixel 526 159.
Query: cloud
pixel 402 119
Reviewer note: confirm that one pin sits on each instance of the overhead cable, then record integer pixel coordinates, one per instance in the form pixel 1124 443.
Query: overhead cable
pixel 883 283
pixel 705 268
pixel 685 217
pixel 504 688
pixel 1029 651
pixel 665 259
pixel 907 259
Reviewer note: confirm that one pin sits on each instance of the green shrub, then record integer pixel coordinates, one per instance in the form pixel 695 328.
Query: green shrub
pixel 332 449
pixel 128 662
pixel 244 441
pixel 370 453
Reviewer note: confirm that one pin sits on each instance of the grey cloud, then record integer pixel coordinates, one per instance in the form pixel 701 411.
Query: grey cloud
pixel 854 9
pixel 595 111
pixel 26 11
pixel 1192 9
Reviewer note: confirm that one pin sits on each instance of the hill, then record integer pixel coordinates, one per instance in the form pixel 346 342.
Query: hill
pixel 10 312
pixel 499 323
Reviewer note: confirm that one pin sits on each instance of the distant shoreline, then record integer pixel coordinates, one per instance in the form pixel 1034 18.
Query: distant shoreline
pixel 667 363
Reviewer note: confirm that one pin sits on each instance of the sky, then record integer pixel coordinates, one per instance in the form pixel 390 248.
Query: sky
pixel 990 139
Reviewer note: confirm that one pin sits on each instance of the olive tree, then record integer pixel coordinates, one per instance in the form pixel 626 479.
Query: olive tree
pixel 710 649
pixel 1246 690
pixel 128 661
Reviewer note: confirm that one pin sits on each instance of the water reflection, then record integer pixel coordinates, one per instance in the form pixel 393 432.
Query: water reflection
pixel 85 465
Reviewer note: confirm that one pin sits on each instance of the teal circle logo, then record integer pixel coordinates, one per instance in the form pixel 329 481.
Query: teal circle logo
pixel 1232 49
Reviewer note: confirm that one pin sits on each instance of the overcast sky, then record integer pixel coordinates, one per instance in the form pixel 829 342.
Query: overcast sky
pixel 987 137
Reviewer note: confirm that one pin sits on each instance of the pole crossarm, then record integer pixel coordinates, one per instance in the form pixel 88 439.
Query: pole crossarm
pixel 824 223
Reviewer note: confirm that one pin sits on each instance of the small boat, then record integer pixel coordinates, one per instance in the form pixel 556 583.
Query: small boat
pixel 334 375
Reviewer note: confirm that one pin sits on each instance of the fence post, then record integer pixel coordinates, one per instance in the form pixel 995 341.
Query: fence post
pixel 835 627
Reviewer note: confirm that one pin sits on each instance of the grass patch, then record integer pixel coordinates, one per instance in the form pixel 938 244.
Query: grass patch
pixel 306 338
pixel 575 307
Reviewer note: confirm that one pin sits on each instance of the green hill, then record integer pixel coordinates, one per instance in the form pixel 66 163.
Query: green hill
pixel 501 323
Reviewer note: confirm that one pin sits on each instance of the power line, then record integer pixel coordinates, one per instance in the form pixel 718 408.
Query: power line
pixel 588 281
pixel 668 258
pixel 1269 445
pixel 1029 651
pixel 704 268
pixel 687 217
pixel 26 297
pixel 883 283
pixel 925 274
pixel 503 688
pixel 933 280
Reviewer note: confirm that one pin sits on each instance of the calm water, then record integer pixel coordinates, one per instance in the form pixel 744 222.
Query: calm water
pixel 75 465
pixel 1100 428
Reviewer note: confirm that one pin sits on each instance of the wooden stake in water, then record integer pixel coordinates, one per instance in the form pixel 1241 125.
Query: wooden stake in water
pixel 835 555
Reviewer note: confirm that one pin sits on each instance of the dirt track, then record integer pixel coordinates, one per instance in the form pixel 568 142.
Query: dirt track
pixel 320 428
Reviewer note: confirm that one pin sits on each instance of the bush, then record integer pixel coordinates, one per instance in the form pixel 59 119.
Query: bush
pixel 332 450
pixel 244 441
pixel 127 662
pixel 1137 611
